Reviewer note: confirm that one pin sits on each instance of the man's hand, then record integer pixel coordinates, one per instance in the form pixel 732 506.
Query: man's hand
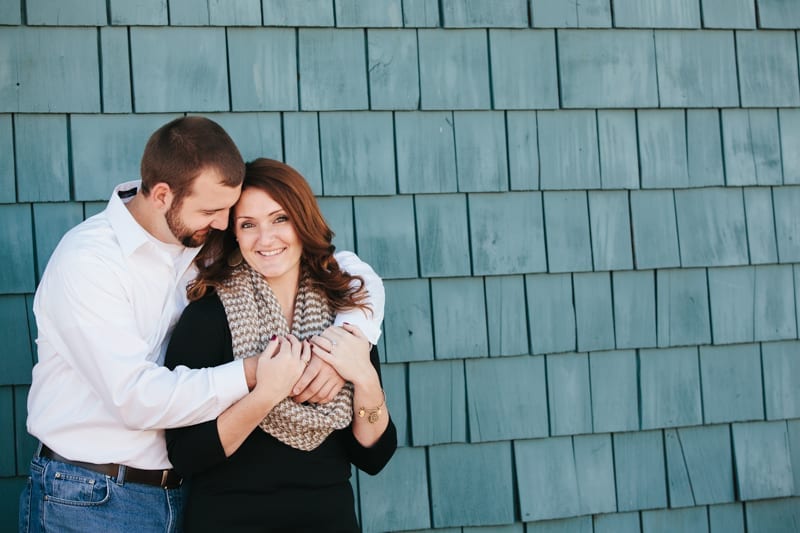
pixel 319 383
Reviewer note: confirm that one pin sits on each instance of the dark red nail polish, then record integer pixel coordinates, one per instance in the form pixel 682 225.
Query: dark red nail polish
pixel 273 337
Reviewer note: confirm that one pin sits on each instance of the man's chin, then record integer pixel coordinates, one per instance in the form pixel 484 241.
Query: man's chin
pixel 195 239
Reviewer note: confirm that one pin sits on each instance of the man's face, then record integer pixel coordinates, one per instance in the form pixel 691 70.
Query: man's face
pixel 205 208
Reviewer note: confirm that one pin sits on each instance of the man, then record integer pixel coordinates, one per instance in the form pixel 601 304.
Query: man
pixel 112 290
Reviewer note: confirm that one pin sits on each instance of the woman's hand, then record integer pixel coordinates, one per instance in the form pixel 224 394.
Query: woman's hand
pixel 276 375
pixel 346 349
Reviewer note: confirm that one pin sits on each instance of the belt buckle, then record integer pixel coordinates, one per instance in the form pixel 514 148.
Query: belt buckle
pixel 164 475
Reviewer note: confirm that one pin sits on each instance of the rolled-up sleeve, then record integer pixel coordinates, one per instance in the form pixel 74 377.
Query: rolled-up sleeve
pixel 368 321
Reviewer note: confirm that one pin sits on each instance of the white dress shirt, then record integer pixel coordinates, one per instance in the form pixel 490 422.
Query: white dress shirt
pixel 105 307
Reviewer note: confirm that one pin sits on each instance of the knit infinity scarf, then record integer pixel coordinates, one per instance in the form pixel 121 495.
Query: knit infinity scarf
pixel 254 315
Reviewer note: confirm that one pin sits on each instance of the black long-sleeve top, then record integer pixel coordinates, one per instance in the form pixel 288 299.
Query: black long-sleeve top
pixel 265 485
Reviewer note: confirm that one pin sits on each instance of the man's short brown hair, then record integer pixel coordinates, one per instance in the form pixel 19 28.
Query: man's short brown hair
pixel 180 150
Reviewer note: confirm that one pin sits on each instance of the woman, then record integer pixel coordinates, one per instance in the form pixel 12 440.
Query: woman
pixel 270 281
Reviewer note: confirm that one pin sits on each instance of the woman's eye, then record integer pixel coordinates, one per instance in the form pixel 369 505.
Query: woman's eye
pixel 281 218
pixel 246 225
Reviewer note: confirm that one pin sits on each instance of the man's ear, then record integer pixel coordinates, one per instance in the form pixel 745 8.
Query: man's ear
pixel 161 196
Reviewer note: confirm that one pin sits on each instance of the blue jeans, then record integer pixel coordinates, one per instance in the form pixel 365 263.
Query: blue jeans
pixel 62 497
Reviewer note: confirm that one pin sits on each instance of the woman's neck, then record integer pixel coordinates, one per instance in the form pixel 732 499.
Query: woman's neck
pixel 285 290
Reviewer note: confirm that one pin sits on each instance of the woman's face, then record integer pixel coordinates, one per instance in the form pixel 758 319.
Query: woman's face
pixel 267 237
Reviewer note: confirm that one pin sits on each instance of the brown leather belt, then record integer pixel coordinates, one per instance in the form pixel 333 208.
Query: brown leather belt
pixel 168 479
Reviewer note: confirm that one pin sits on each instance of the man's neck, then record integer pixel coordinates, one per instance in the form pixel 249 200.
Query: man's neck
pixel 150 219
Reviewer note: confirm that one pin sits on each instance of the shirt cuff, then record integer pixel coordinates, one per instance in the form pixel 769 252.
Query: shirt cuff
pixel 358 318
pixel 230 382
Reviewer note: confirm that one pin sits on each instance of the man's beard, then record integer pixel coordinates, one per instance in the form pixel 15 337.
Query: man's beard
pixel 187 237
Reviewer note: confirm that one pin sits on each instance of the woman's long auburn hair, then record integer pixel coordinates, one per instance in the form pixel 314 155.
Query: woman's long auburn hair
pixel 291 191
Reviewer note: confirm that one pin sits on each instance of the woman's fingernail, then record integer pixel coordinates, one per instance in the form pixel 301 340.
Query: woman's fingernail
pixel 273 337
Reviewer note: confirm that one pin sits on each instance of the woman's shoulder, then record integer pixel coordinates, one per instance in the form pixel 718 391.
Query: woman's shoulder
pixel 209 306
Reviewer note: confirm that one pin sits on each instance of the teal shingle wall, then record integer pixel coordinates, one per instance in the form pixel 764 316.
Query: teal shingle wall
pixel 585 213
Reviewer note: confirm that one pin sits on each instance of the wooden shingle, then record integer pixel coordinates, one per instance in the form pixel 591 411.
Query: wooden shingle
pixel 523 68
pixel 569 247
pixel 421 13
pixel 670 520
pixel 546 478
pixel 523 150
pixel 682 311
pixel 594 315
pixel 601 68
pixel 560 14
pixel 301 147
pixel 480 13
pixel 610 223
pixel 66 13
pixel 568 153
pixel 408 327
pixel 793 427
pixel 615 390
pixel 781 368
pixel 357 152
pixel 454 69
pixel 234 12
pixel 189 13
pixel 395 385
pixel 551 313
pixel 8 187
pixel 179 69
pixel 657 13
pixel 732 301
pixel 25 444
pixel 670 388
pixel 654 229
pixel 456 499
pixel 696 69
pixel 731 382
pixel 480 151
pixel 778 14
pixel 338 213
pixel 8 465
pixel 635 309
pixel 393 68
pixel 775 317
pixel 397 498
pixel 726 518
pixel 368 13
pixel 437 395
pixel 42 156
pixel 699 466
pixel 333 69
pixel 16 249
pixel 569 394
pixel 107 150
pixel 767 62
pixel 442 237
pixel 426 153
pixel 739 14
pixel 711 225
pixel 580 524
pixel 617 523
pixel 263 69
pixel 760 225
pixel 704 148
pixel 778 516
pixel 17 361
pixel 751 146
pixel 506 315
pixel 639 470
pixel 385 235
pixel 787 222
pixel 293 13
pixel 789 120
pixel 11 12
pixel 255 134
pixel 116 68
pixel 39 77
pixel 520 412
pixel 762 461
pixel 619 151
pixel 662 148
pixel 139 13
pixel 495 248
pixel 459 318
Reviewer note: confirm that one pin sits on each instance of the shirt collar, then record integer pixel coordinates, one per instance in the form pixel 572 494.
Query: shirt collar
pixel 130 234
